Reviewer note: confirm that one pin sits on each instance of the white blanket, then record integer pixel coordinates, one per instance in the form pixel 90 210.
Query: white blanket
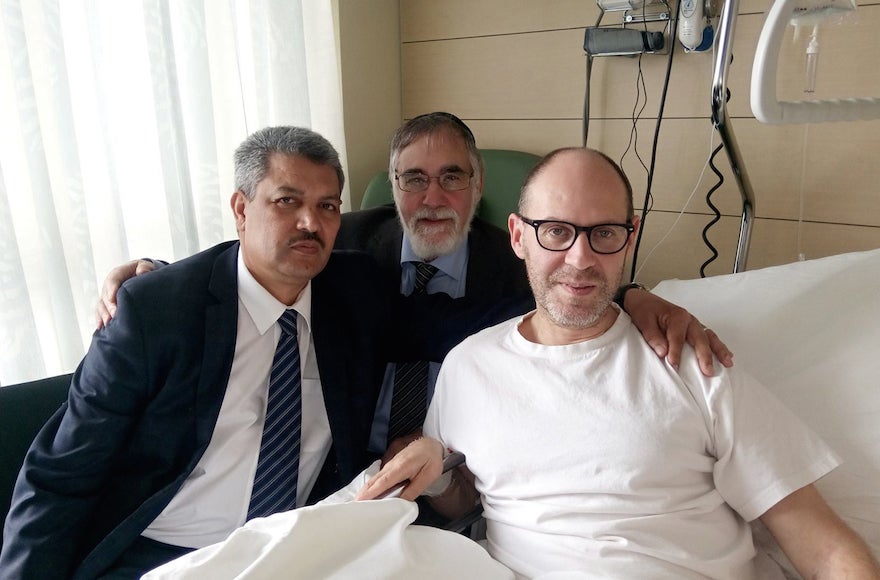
pixel 338 539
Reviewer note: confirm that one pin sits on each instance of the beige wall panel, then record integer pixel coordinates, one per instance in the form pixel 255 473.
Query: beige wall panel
pixel 431 20
pixel 681 154
pixel 753 6
pixel 682 251
pixel 537 75
pixel 532 135
pixel 370 69
pixel 843 176
pixel 542 74
pixel 820 240
pixel 613 85
pixel 774 242
pixel 839 181
pixel 773 158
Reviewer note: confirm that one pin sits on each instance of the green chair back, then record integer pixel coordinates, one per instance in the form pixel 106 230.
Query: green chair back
pixel 24 408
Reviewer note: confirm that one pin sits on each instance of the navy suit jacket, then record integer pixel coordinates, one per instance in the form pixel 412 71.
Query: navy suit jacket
pixel 145 399
pixel 496 288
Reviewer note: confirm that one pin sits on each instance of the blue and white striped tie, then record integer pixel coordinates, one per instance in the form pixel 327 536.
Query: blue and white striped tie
pixel 409 400
pixel 278 466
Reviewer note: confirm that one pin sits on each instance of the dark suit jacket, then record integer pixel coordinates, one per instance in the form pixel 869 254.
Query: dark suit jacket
pixel 145 399
pixel 496 289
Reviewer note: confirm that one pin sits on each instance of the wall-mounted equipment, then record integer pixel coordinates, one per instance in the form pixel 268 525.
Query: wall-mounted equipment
pixel 695 30
pixel 765 105
pixel 621 41
pixel 634 12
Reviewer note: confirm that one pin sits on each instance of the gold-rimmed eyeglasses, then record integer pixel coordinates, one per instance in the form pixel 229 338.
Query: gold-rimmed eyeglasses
pixel 449 181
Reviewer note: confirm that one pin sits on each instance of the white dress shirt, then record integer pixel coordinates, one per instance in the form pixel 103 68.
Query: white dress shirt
pixel 214 499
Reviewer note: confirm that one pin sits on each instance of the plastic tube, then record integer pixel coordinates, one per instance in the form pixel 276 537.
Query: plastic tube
pixel 812 61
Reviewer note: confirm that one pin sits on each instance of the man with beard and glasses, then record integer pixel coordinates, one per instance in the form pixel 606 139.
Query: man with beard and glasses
pixel 171 425
pixel 437 177
pixel 594 458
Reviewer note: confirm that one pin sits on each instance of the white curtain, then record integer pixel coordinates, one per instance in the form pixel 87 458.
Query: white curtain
pixel 118 119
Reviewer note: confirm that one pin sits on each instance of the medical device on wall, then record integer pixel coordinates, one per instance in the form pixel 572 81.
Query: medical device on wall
pixel 694 29
pixel 765 105
pixel 623 41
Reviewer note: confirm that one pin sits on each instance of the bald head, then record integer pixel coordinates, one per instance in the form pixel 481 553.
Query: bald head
pixel 572 192
pixel 576 164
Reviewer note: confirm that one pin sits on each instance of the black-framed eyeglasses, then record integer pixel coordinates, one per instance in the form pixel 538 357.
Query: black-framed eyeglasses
pixel 449 181
pixel 558 236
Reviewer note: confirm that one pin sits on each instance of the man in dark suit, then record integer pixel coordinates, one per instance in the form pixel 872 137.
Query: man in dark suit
pixel 156 451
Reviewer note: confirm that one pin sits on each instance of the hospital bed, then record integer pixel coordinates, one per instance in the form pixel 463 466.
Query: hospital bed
pixel 810 331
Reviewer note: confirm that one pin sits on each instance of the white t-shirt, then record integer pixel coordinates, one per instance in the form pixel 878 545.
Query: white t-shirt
pixel 598 457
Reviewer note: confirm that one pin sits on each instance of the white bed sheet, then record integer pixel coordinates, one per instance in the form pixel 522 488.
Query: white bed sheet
pixel 338 539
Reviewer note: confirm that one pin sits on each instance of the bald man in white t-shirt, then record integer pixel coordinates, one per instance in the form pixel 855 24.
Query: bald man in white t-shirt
pixel 590 454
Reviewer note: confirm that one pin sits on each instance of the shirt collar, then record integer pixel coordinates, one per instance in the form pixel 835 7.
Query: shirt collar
pixel 263 308
pixel 453 265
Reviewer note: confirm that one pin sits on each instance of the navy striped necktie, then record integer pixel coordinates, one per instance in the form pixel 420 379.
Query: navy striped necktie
pixel 278 466
pixel 409 401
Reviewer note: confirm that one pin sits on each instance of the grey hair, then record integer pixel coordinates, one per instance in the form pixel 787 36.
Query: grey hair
pixel 539 168
pixel 431 123
pixel 252 156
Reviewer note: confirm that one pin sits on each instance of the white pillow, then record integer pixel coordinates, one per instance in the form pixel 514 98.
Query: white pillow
pixel 810 331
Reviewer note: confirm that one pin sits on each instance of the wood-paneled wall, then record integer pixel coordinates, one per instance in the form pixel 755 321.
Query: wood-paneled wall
pixel 514 70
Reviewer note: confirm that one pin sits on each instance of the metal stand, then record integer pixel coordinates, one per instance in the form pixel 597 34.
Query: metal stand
pixel 721 120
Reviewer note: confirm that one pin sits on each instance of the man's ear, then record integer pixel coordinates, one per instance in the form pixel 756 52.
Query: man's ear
pixel 515 227
pixel 238 202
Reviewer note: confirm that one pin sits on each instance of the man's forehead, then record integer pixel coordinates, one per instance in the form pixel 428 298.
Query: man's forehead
pixel 555 191
pixel 291 173
pixel 440 146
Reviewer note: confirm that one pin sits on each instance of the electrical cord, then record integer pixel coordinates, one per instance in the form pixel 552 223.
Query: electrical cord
pixel 585 124
pixel 715 210
pixel 684 206
pixel 648 201
pixel 586 121
pixel 635 116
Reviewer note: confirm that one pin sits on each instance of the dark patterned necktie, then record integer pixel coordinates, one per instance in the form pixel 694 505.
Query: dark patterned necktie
pixel 409 401
pixel 278 466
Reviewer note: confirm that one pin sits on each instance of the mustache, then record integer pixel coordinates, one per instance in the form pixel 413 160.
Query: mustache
pixel 434 214
pixel 307 237
pixel 574 277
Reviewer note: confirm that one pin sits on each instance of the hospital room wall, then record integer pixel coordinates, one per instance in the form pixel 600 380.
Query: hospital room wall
pixel 514 70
